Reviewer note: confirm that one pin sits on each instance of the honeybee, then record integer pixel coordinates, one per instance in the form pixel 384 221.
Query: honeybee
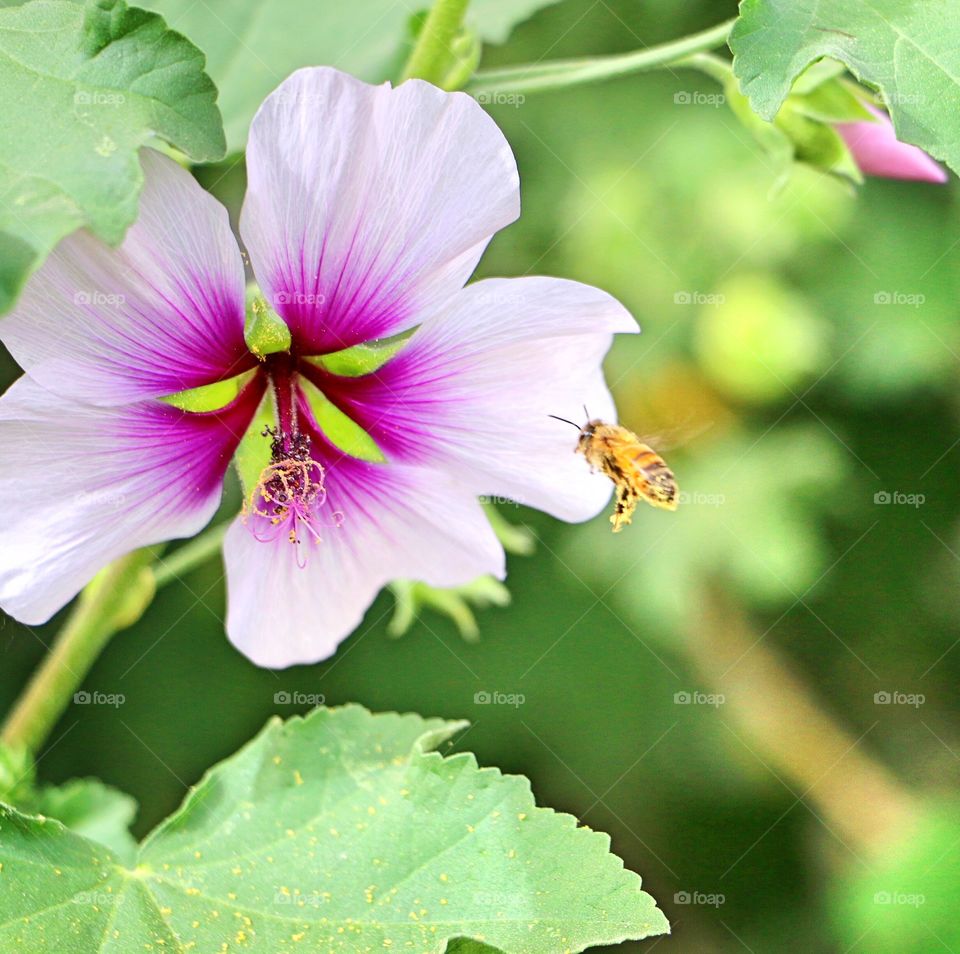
pixel 637 471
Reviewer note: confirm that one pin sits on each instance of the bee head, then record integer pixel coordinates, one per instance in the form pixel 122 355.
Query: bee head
pixel 586 430
pixel 590 428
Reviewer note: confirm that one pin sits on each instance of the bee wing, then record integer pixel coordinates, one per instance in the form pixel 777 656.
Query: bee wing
pixel 679 436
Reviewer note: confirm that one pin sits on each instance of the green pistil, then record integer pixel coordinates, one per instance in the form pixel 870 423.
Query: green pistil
pixel 265 332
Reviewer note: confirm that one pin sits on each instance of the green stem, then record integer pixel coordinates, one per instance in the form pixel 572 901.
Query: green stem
pixel 434 52
pixel 115 599
pixel 713 66
pixel 561 74
pixel 191 554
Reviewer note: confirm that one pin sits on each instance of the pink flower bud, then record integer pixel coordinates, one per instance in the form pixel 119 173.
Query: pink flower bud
pixel 878 152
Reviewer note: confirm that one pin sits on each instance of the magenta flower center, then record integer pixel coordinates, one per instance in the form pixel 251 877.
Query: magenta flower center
pixel 290 492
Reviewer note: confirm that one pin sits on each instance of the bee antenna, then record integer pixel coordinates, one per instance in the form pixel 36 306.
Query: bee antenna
pixel 565 421
pixel 585 411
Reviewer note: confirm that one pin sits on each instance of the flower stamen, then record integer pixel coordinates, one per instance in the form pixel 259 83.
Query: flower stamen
pixel 288 493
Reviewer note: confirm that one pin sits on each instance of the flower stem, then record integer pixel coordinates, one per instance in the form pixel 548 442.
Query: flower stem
pixel 192 554
pixel 561 74
pixel 115 599
pixel 434 54
pixel 713 66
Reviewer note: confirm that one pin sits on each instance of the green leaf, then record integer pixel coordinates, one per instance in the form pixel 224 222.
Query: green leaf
pixel 84 88
pixel 906 50
pixel 464 945
pixel 816 75
pixel 341 831
pixel 266 40
pixel 817 143
pixel 833 102
pixel 802 130
pixel 94 810
pixel 210 397
pixel 87 806
pixel 775 142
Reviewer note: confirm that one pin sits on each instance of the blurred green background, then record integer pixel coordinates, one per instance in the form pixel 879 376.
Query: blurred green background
pixel 799 357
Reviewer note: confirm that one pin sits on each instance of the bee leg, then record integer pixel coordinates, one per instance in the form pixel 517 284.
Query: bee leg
pixel 625 506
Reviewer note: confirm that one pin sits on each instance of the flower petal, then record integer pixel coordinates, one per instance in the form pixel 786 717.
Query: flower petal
pixel 294 603
pixel 162 313
pixel 474 389
pixel 878 152
pixel 86 484
pixel 367 205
